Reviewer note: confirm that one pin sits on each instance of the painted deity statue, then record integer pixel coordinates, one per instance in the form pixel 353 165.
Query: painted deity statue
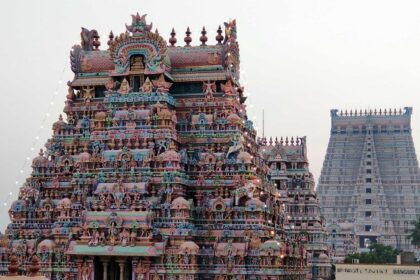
pixel 113 234
pixel 86 271
pixel 237 145
pixel 154 63
pixel 124 236
pixel 133 237
pixel 228 88
pixel 124 87
pixel 88 92
pixel 110 85
pixel 147 87
pixel 94 241
pixel 209 88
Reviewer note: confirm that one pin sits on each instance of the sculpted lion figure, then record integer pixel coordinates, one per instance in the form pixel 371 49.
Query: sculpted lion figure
pixel 87 36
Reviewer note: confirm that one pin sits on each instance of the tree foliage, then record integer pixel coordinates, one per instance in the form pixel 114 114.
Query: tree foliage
pixel 378 254
pixel 415 233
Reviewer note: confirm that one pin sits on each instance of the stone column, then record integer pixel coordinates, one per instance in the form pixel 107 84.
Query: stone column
pixel 134 264
pixel 105 263
pixel 91 269
pixel 79 262
pixel 146 265
pixel 121 264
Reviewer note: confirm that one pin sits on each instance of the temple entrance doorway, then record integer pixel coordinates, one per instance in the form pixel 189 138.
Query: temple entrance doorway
pixel 136 72
pixel 113 268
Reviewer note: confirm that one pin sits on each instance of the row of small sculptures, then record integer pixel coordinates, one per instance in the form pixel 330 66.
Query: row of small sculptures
pixel 14 265
pixel 24 254
pixel 120 200
pixel 98 162
pixel 116 236
pixel 180 259
pixel 158 85
pixel 42 214
pixel 101 121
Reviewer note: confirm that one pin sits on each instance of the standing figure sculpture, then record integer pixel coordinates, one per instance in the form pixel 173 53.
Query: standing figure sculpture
pixel 209 88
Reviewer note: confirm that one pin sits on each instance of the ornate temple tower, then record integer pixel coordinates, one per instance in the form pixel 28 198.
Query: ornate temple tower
pixel 155 174
pixel 289 171
pixel 371 176
pixel 342 240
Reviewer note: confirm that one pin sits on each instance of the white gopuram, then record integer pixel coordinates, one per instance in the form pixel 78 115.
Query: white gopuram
pixel 370 176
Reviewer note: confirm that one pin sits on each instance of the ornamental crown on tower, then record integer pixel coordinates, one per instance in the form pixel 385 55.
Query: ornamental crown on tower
pixel 138 24
pixel 140 55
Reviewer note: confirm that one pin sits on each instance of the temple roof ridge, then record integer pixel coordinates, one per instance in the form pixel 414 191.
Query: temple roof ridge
pixel 406 111
pixel 139 27
pixel 283 141
pixel 187 63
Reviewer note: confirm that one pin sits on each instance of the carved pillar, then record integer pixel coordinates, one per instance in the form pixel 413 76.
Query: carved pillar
pixel 91 269
pixel 105 263
pixel 79 268
pixel 122 271
pixel 134 264
pixel 121 264
pixel 147 267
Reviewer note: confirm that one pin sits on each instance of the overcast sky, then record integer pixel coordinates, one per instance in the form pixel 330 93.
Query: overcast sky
pixel 299 59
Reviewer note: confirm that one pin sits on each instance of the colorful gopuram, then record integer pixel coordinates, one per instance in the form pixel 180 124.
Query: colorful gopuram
pixel 289 172
pixel 154 172
pixel 342 240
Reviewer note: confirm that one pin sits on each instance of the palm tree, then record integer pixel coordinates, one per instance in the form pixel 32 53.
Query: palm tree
pixel 415 233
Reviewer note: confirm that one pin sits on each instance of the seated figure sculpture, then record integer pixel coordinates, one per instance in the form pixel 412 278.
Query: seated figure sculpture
pixel 124 87
pixel 147 87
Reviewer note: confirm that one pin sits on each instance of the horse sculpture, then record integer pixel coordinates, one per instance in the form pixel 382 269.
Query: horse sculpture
pixel 236 147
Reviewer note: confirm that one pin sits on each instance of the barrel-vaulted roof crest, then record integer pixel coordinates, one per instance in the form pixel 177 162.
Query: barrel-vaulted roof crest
pixel 141 41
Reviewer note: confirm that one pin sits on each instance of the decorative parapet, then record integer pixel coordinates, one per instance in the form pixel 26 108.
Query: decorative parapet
pixel 386 117
pixel 298 141
pixel 407 111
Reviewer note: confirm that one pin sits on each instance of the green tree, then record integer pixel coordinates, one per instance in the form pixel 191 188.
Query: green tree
pixel 378 254
pixel 415 233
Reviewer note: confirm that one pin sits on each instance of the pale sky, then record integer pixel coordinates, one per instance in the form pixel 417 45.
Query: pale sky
pixel 299 59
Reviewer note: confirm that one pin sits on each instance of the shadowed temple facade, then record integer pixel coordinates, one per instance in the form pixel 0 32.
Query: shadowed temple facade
pixel 289 172
pixel 155 173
